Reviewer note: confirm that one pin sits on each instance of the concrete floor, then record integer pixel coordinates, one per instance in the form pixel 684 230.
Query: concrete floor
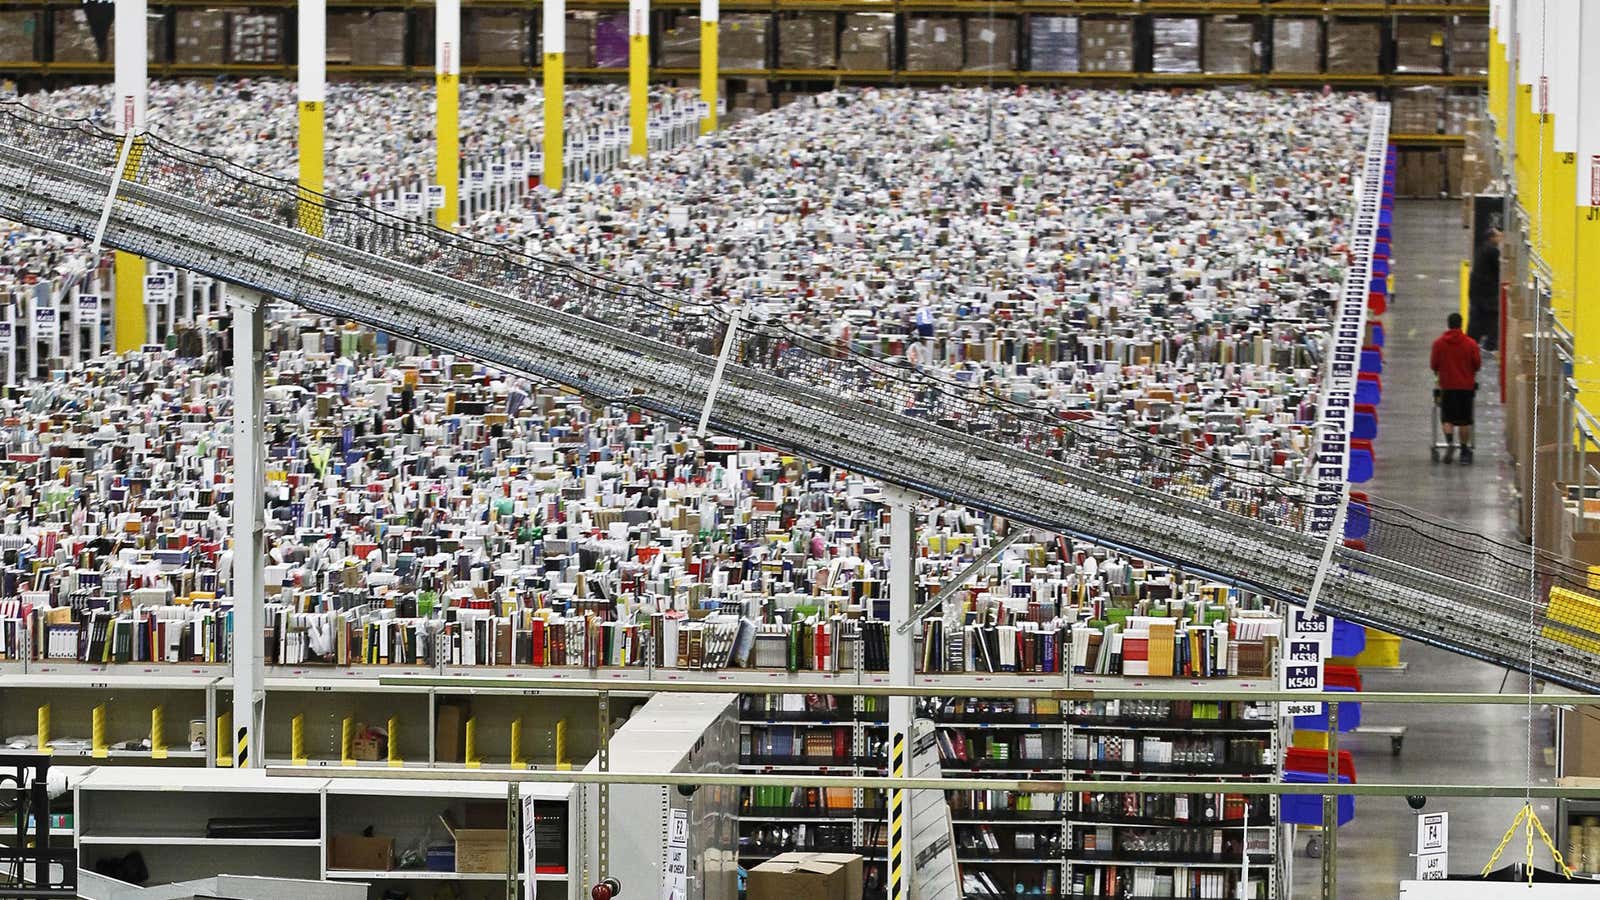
pixel 1443 744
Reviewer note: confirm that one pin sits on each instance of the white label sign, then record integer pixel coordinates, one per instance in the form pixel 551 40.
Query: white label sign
pixel 46 322
pixel 1306 646
pixel 412 200
pixel 1433 846
pixel 388 205
pixel 499 173
pixel 8 340
pixel 436 196
pixel 530 884
pixel 157 289
pixel 675 867
pixel 88 309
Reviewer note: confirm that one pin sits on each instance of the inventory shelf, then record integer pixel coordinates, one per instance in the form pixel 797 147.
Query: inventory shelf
pixel 1129 7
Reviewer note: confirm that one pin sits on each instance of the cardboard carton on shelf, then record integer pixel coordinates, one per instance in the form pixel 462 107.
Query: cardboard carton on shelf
pixel 1105 45
pixel 1231 46
pixel 379 40
pixel 199 36
pixel 808 41
pixel 1296 45
pixel 1354 46
pixel 1419 46
pixel 1469 47
pixel 579 49
pixel 495 38
pixel 933 44
pixel 806 875
pixel 991 44
pixel 866 42
pixel 360 852
pixel 255 37
pixel 1174 44
pixel 742 41
pixel 1417 110
pixel 1053 44
pixel 679 44
pixel 340 33
pixel 75 40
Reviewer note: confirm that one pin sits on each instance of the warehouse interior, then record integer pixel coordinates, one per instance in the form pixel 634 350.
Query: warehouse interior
pixel 821 449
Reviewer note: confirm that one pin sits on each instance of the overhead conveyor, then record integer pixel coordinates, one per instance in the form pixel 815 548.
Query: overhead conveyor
pixel 959 442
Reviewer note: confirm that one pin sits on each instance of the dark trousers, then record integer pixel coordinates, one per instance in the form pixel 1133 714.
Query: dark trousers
pixel 1483 323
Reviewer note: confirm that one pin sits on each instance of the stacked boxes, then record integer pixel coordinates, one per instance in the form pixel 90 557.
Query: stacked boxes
pixel 808 41
pixel 19 36
pixel 1106 45
pixel 1417 110
pixel 1053 44
pixel 867 42
pixel 933 44
pixel 991 44
pixel 496 38
pixel 341 33
pixel 579 49
pixel 679 44
pixel 742 41
pixel 1231 47
pixel 379 40
pixel 200 37
pixel 1175 45
pixel 1469 48
pixel 1419 46
pixel 1296 46
pixel 1354 46
pixel 255 38
pixel 1460 112
pixel 611 41
pixel 74 40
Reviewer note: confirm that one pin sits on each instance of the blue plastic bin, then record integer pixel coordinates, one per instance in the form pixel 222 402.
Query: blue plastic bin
pixel 1306 809
pixel 1349 716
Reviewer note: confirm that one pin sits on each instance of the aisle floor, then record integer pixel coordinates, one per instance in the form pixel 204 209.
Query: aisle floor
pixel 1443 744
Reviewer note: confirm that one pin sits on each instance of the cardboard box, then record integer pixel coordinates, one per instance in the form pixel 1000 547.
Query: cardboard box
pixel 200 37
pixel 481 850
pixel 1353 46
pixel 867 42
pixel 368 854
pixel 255 37
pixel 1469 47
pixel 19 36
pixel 1105 45
pixel 679 45
pixel 75 41
pixel 450 734
pixel 1174 44
pixel 807 876
pixel 579 49
pixel 1296 45
pixel 1053 44
pixel 933 44
pixel 741 41
pixel 379 40
pixel 1419 46
pixel 991 45
pixel 808 41
pixel 496 38
pixel 1231 46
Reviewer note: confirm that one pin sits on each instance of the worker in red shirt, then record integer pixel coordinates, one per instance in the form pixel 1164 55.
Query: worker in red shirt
pixel 1455 361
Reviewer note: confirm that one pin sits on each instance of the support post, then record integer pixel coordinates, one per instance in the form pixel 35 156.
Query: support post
pixel 128 113
pixel 1330 811
pixel 710 13
pixel 447 126
pixel 555 103
pixel 639 77
pixel 902 597
pixel 1587 212
pixel 313 50
pixel 249 485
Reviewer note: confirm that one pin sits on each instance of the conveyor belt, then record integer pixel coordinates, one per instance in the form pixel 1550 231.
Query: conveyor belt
pixel 625 343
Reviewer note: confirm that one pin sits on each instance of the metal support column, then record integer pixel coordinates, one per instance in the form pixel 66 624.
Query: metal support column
pixel 902 597
pixel 603 791
pixel 128 115
pixel 249 486
pixel 1330 812
pixel 710 13
pixel 639 77
pixel 313 66
pixel 447 105
pixel 555 104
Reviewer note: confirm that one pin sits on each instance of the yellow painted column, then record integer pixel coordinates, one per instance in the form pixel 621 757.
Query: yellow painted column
pixel 447 77
pixel 1560 134
pixel 1586 215
pixel 709 16
pixel 313 66
pixel 128 112
pixel 555 101
pixel 639 77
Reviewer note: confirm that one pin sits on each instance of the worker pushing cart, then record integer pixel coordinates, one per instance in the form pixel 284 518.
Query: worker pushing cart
pixel 1455 361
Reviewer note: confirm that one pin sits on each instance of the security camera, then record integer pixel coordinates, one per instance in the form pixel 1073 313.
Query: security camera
pixel 1417 801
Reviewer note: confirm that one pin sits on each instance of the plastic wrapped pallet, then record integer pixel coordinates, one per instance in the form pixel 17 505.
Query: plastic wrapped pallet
pixel 1053 44
pixel 1231 46
pixel 933 44
pixel 155 37
pixel 1419 46
pixel 742 41
pixel 1174 44
pixel 1105 45
pixel 1353 47
pixel 496 38
pixel 341 32
pixel 255 37
pixel 1417 110
pixel 991 44
pixel 808 41
pixel 1296 45
pixel 1469 47
pixel 579 51
pixel 1460 112
pixel 867 42
pixel 611 41
pixel 680 44
pixel 74 39
pixel 19 36
pixel 200 37
pixel 379 40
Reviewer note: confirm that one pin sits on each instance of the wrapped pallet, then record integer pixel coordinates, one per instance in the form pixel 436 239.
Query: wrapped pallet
pixel 933 44
pixel 579 49
pixel 991 44
pixel 1417 110
pixel 1419 46
pixel 1231 46
pixel 340 35
pixel 1296 46
pixel 255 38
pixel 75 40
pixel 1469 47
pixel 679 44
pixel 1053 44
pixel 808 41
pixel 1460 112
pixel 611 41
pixel 200 37
pixel 379 40
pixel 19 35
pixel 1354 46
pixel 1174 45
pixel 742 41
pixel 496 38
pixel 867 42
pixel 155 37
pixel 1105 45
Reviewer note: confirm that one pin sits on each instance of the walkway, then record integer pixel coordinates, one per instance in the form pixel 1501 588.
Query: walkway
pixel 1476 744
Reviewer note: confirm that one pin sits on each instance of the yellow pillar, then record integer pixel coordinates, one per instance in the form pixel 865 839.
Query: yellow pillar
pixel 709 16
pixel 313 66
pixel 128 112
pixel 1586 215
pixel 639 77
pixel 447 76
pixel 555 100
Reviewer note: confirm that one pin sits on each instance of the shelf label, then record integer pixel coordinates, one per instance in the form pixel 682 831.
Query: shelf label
pixel 530 821
pixel 436 196
pixel 675 871
pixel 1433 846
pixel 1306 647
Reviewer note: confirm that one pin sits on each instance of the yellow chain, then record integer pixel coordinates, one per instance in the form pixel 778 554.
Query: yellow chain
pixel 1561 863
pixel 1495 856
pixel 1529 821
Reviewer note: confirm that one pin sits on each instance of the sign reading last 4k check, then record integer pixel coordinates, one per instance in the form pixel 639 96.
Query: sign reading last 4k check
pixel 1306 644
pixel 1433 846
